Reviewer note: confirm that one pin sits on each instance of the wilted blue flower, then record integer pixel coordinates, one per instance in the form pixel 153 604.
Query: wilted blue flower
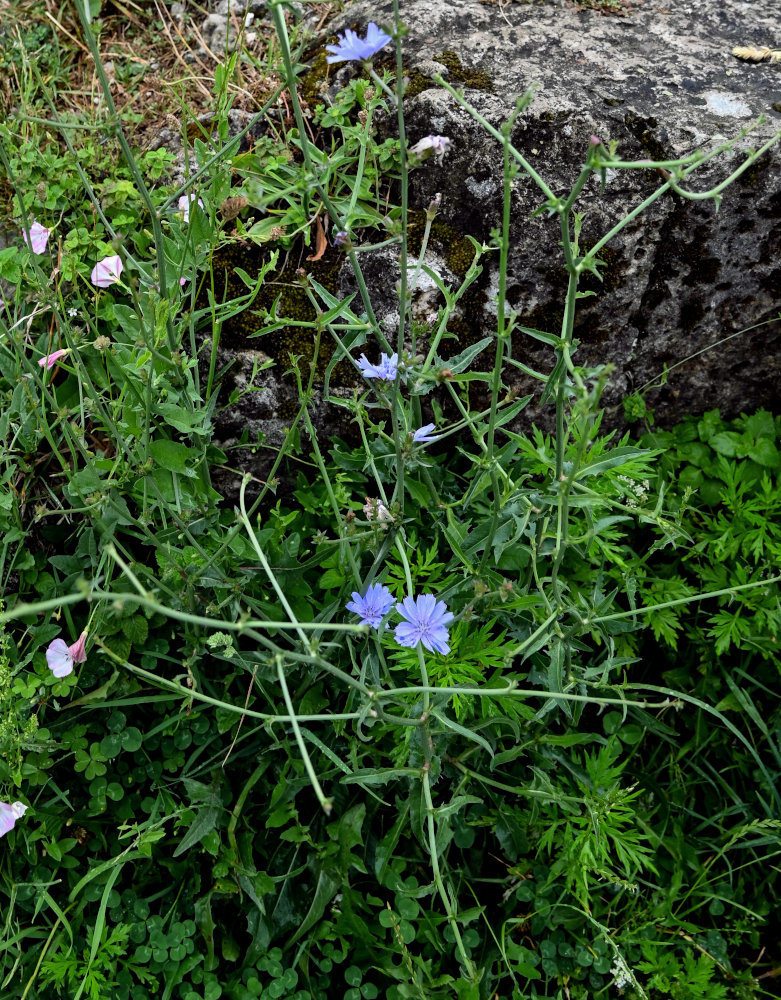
pixel 342 239
pixel 385 370
pixel 436 145
pixel 375 510
pixel 352 47
pixel 373 606
pixel 423 434
pixel 426 621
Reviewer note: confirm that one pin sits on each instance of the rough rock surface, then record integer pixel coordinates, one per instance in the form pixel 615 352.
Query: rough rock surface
pixel 663 83
pixel 682 281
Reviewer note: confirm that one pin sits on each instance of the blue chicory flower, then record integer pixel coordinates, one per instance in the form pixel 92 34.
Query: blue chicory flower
pixel 352 47
pixel 385 370
pixel 426 621
pixel 423 434
pixel 373 606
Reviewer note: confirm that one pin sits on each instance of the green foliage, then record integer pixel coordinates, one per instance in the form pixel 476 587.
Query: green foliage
pixel 734 467
pixel 243 793
pixel 602 840
pixel 690 979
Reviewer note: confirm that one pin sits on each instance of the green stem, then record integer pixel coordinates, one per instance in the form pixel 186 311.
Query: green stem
pixel 501 341
pixel 512 691
pixel 267 568
pixel 138 180
pixel 725 592
pixel 431 826
pixel 193 694
pixel 438 881
pixel 325 802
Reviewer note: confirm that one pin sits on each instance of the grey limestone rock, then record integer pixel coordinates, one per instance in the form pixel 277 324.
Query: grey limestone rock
pixel 683 280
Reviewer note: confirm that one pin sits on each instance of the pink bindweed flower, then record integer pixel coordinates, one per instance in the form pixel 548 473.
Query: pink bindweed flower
pixel 61 657
pixel 50 360
pixel 10 812
pixel 38 237
pixel 185 203
pixel 107 271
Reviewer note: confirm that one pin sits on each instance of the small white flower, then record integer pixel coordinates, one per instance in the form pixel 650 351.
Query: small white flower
pixel 621 973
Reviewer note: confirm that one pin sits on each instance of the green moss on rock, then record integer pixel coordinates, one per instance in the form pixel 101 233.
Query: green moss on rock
pixel 749 178
pixel 458 74
pixel 611 270
pixel 643 131
pixel 477 79
pixel 285 287
pixel 200 130
pixel 444 239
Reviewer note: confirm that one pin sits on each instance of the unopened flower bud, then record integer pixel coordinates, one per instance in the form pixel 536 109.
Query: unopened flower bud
pixel 433 207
